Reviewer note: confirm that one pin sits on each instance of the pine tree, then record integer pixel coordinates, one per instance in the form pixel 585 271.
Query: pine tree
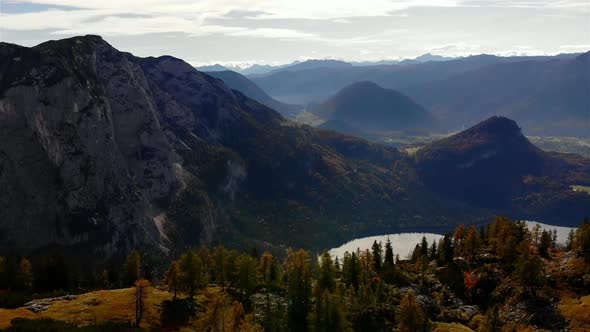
pixel 326 280
pixel 445 250
pixel 424 247
pixel 298 270
pixel 377 251
pixel 545 242
pixel 351 270
pixel 388 253
pixel 433 251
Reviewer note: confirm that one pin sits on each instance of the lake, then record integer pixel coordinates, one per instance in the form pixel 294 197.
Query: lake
pixel 403 243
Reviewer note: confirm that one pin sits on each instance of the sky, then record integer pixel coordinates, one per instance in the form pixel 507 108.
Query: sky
pixel 244 32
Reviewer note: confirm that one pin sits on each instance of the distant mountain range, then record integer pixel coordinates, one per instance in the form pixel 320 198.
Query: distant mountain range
pixel 257 69
pixel 242 84
pixel 102 151
pixel 367 107
pixel 550 95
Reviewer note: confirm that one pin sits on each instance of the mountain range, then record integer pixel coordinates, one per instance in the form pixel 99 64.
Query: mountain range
pixel 257 69
pixel 548 94
pixel 102 151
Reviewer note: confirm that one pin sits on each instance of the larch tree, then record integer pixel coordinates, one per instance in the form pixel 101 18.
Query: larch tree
pixel 133 267
pixel 269 269
pixel 173 278
pixel 410 316
pixel 192 274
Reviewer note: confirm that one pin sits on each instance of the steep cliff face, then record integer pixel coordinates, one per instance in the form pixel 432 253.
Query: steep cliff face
pixel 83 152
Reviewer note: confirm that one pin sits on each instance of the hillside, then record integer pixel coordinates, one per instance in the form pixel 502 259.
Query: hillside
pixel 249 89
pixel 492 164
pixel 368 107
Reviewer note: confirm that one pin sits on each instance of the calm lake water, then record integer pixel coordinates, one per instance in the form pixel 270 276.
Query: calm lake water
pixel 403 243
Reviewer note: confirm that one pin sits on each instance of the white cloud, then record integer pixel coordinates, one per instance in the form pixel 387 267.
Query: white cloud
pixel 578 47
pixel 271 33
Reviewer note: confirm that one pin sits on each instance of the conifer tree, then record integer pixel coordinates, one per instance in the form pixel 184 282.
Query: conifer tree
pixel 377 252
pixel 173 278
pixel 472 242
pixel 545 242
pixel 410 316
pixel 298 270
pixel 269 269
pixel 388 253
pixel 326 280
pixel 192 277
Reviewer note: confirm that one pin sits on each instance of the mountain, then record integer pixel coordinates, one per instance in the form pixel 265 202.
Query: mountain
pixel 102 151
pixel 308 65
pixel 257 69
pixel 244 85
pixel 549 97
pixel 493 165
pixel 426 58
pixel 213 68
pixel 368 107
pixel 317 84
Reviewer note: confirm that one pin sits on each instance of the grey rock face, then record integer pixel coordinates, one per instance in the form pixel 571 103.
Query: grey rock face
pixel 82 152
pixel 88 145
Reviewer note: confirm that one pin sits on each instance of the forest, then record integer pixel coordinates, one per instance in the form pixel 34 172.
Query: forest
pixel 499 277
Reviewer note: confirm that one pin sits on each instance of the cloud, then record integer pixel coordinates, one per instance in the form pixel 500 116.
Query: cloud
pixel 135 17
pixel 577 47
pixel 272 33
pixel 455 49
